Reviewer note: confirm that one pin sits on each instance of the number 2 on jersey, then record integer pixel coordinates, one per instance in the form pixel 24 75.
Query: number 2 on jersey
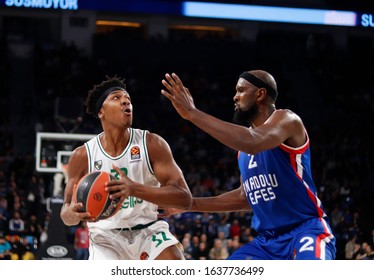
pixel 252 163
pixel 307 246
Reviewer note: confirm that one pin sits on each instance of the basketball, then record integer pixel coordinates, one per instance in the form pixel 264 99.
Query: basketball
pixel 90 190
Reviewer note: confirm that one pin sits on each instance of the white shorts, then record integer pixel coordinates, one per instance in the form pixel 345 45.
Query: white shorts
pixel 143 244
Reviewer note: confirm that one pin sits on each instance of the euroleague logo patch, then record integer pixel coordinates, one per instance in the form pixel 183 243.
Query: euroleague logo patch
pixel 135 152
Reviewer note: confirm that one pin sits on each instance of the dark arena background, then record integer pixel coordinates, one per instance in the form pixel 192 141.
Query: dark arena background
pixel 51 53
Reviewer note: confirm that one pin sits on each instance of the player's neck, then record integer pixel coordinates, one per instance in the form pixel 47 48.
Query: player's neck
pixel 264 113
pixel 114 141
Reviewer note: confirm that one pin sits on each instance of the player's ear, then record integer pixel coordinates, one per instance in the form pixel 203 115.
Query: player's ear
pixel 261 94
pixel 100 114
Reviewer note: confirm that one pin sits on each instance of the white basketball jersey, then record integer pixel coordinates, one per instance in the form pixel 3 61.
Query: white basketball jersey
pixel 134 161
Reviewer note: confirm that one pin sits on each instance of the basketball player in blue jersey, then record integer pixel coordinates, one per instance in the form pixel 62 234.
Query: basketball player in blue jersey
pixel 147 174
pixel 274 162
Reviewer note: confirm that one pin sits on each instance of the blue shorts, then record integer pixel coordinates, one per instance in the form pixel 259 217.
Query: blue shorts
pixel 311 240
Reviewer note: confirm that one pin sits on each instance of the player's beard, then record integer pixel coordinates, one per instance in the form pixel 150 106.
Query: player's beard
pixel 246 117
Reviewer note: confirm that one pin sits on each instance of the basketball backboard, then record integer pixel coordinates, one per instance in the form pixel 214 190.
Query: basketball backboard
pixel 54 149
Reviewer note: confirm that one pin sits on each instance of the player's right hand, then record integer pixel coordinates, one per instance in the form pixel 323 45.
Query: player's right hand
pixel 178 94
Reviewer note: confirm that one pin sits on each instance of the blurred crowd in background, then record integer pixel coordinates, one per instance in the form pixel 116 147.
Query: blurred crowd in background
pixel 330 87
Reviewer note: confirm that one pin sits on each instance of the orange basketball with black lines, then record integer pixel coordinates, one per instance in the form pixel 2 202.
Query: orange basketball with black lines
pixel 90 190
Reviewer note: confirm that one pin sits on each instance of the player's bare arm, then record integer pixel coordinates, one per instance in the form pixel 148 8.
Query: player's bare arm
pixel 77 168
pixel 232 201
pixel 174 192
pixel 283 126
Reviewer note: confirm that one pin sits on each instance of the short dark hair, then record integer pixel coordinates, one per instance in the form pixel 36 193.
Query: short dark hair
pixel 95 93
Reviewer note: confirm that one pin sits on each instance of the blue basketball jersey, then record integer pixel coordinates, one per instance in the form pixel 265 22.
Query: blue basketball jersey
pixel 280 189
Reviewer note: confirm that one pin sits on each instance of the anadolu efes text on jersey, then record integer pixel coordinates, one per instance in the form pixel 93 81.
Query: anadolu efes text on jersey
pixel 260 187
pixel 279 187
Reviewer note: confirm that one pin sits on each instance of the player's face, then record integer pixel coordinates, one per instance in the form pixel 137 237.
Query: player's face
pixel 246 108
pixel 117 108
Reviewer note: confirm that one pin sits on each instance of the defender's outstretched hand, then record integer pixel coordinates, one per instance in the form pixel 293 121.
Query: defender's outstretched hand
pixel 168 212
pixel 179 95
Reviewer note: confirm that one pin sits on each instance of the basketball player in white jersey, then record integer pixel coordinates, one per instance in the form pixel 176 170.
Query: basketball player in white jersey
pixel 147 175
